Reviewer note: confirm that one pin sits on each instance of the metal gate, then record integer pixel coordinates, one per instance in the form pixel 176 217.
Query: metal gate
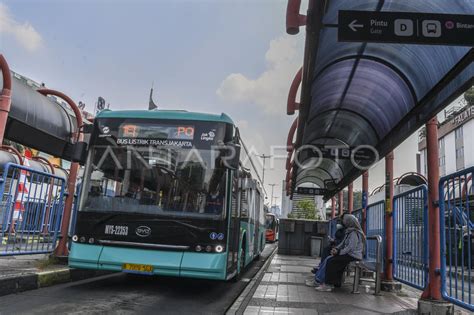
pixel 410 237
pixel 375 225
pixel 457 238
pixel 31 210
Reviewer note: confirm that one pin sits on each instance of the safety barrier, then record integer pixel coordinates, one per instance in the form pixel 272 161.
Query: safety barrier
pixel 375 266
pixel 410 237
pixel 457 237
pixel 31 210
pixel 375 225
pixel 332 228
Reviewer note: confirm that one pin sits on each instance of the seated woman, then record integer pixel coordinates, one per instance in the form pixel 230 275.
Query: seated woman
pixel 333 242
pixel 351 248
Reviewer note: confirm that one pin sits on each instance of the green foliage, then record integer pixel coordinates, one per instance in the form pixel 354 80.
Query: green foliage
pixel 306 210
pixel 469 96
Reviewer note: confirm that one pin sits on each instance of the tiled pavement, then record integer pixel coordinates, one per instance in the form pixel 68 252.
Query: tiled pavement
pixel 283 291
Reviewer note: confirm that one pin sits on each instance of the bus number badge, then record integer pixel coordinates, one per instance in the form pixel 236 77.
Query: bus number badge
pixel 116 230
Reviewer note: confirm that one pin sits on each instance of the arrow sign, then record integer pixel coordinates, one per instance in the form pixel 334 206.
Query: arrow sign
pixel 353 26
pixel 406 28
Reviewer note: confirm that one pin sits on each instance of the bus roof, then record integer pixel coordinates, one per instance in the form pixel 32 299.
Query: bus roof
pixel 165 114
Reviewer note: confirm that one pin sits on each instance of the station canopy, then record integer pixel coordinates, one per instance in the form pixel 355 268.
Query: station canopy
pixel 371 93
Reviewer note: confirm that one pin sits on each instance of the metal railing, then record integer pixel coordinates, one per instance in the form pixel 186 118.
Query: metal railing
pixel 375 225
pixel 375 266
pixel 456 207
pixel 32 211
pixel 410 237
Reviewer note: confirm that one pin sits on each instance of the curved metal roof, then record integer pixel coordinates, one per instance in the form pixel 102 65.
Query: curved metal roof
pixel 371 93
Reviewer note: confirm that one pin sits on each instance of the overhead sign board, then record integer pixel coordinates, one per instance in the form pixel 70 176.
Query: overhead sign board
pixel 406 28
pixel 310 191
pixel 360 153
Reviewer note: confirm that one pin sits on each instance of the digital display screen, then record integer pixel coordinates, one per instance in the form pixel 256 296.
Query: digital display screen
pixel 153 131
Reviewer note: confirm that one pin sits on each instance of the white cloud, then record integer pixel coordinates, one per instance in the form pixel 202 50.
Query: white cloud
pixel 24 33
pixel 270 89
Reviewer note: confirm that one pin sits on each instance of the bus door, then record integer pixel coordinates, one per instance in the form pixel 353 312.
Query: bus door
pixel 234 226
pixel 252 232
pixel 256 225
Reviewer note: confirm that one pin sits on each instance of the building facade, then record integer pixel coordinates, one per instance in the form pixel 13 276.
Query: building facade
pixel 455 141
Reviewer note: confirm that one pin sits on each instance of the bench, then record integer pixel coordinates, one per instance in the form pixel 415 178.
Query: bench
pixel 374 266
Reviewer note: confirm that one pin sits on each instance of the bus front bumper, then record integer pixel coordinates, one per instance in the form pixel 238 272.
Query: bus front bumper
pixel 166 263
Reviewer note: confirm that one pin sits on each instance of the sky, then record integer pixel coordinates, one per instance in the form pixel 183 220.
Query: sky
pixel 230 56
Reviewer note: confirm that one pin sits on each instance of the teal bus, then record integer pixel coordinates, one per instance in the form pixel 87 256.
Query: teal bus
pixel 171 193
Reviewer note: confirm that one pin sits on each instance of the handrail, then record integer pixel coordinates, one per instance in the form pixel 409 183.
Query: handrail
pixel 5 95
pixel 292 104
pixel 293 17
pixel 378 267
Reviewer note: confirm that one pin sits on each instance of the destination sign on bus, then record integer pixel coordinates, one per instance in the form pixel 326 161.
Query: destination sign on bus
pixel 153 131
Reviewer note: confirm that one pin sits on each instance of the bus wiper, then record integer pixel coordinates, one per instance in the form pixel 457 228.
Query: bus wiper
pixel 107 218
pixel 200 229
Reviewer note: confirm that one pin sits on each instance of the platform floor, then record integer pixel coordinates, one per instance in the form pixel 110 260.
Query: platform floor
pixel 282 290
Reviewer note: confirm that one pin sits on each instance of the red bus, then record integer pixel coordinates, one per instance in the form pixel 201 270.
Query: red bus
pixel 272 224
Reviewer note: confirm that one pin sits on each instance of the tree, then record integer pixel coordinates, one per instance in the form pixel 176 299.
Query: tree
pixel 357 200
pixel 469 96
pixel 306 209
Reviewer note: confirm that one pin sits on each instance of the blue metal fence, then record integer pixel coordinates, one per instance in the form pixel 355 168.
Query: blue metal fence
pixel 410 237
pixel 375 225
pixel 457 238
pixel 32 207
pixel 332 228
pixel 358 214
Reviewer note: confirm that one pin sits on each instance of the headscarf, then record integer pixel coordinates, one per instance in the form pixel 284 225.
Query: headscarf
pixel 352 225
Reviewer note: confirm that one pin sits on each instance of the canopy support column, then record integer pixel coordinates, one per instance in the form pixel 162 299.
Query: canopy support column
pixel 433 291
pixel 431 300
pixel 365 198
pixel 350 198
pixel 388 283
pixel 333 207
pixel 62 250
pixel 341 202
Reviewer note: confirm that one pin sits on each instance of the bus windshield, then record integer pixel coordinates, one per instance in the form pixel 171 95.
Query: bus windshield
pixel 162 179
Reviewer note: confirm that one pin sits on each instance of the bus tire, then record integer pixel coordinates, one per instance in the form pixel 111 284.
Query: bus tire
pixel 241 267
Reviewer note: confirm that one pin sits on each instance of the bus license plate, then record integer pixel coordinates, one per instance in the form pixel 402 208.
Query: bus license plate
pixel 137 268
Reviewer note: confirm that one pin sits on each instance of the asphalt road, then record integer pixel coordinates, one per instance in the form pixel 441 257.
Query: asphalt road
pixel 130 294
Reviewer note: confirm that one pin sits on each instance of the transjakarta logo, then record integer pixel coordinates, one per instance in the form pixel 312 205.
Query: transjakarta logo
pixel 208 136
pixel 143 231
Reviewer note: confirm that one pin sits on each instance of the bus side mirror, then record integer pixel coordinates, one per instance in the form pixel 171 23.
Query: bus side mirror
pixel 230 156
pixel 79 152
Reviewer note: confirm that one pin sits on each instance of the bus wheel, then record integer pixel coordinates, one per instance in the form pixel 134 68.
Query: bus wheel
pixel 239 273
pixel 242 259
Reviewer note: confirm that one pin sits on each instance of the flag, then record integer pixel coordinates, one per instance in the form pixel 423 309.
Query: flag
pixel 151 104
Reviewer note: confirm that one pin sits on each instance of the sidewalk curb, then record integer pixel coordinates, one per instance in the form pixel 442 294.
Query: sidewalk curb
pixel 238 307
pixel 32 281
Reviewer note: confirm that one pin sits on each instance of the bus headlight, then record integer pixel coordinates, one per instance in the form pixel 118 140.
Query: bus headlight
pixel 208 248
pixel 75 238
pixel 91 240
pixel 219 248
pixel 82 239
pixel 198 248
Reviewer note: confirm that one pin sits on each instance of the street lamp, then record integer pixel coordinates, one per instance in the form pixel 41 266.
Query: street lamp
pixel 264 158
pixel 272 185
